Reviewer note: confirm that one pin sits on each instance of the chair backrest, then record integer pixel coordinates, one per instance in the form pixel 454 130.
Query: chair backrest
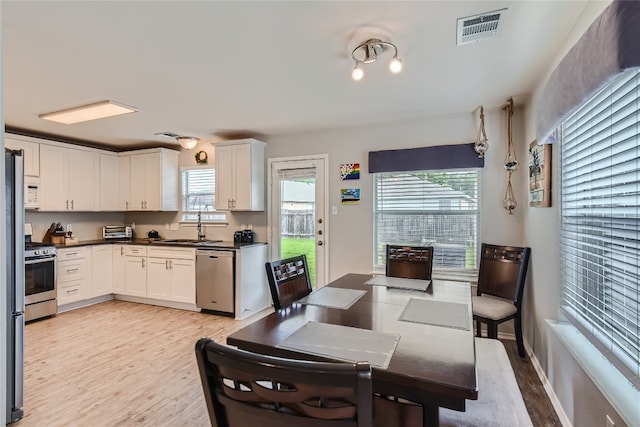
pixel 411 262
pixel 503 270
pixel 245 389
pixel 288 280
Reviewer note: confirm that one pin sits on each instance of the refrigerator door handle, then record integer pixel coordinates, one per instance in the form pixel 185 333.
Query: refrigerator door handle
pixel 19 363
pixel 19 232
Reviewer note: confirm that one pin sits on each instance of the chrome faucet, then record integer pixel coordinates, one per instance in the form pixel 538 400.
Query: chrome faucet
pixel 201 235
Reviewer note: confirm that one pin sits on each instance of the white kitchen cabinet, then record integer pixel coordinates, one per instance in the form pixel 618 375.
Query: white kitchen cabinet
pixel 252 289
pixel 124 180
pixel 153 180
pixel 108 200
pixel 240 175
pixel 118 263
pixel 73 274
pixel 135 271
pixel 101 270
pixel 31 154
pixel 68 179
pixel 171 274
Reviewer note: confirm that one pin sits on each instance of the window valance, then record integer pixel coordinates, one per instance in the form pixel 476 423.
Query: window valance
pixel 609 46
pixel 455 156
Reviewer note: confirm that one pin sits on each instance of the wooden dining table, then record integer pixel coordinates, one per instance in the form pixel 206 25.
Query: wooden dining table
pixel 432 364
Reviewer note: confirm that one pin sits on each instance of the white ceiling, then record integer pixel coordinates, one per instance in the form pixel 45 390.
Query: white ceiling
pixel 212 68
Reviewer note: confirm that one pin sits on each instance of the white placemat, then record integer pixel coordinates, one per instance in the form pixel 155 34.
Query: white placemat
pixel 333 297
pixel 343 343
pixel 437 313
pixel 399 282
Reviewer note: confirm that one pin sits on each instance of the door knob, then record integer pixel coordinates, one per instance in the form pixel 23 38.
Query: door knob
pixel 320 243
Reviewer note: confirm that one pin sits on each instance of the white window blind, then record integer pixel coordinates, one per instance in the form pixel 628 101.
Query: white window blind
pixel 600 211
pixel 429 208
pixel 199 195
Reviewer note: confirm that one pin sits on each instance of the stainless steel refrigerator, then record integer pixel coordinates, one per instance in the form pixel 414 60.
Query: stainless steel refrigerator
pixel 14 195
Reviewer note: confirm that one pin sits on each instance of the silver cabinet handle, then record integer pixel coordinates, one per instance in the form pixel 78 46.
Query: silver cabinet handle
pixel 72 270
pixel 72 205
pixel 67 205
pixel 142 262
pixel 171 264
pixel 166 264
pixel 121 250
pixel 72 291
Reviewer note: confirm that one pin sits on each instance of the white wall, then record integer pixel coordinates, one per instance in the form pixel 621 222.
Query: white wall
pixel 578 395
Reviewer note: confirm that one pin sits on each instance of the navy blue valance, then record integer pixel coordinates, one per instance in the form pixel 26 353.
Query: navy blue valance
pixel 457 156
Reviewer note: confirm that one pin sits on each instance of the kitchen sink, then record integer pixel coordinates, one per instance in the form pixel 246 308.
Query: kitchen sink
pixel 185 242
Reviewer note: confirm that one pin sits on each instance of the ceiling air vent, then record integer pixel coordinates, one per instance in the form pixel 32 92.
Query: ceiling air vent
pixel 480 27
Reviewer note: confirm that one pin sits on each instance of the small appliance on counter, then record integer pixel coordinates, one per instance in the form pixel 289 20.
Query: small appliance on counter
pixel 119 232
pixel 244 236
pixel 153 234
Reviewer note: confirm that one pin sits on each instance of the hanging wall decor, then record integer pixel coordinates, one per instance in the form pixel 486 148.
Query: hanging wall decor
pixel 350 196
pixel 539 175
pixel 482 143
pixel 349 171
pixel 510 162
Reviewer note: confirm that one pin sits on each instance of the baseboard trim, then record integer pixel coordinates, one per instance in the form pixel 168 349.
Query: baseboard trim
pixel 555 402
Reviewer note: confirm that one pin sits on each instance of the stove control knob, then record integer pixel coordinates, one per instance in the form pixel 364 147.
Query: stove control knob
pixel 36 252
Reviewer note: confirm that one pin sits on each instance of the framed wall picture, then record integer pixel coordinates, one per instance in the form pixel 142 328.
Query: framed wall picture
pixel 539 175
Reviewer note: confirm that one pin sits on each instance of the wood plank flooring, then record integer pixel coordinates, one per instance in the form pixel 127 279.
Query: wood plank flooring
pixel 125 364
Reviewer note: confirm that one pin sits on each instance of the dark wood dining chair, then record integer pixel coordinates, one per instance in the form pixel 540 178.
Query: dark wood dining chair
pixel 410 262
pixel 288 280
pixel 503 270
pixel 244 389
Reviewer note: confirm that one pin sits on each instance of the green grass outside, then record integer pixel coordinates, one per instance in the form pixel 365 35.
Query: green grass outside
pixel 292 247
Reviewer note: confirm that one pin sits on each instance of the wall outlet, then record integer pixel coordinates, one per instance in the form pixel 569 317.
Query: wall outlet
pixel 334 210
pixel 174 226
pixel 610 422
pixel 69 228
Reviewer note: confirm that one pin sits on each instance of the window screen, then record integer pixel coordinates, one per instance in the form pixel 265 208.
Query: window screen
pixel 600 211
pixel 199 195
pixel 429 208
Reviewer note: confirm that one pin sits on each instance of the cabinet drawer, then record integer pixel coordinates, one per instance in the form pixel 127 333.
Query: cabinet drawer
pixel 71 270
pixel 172 253
pixel 71 292
pixel 135 251
pixel 75 253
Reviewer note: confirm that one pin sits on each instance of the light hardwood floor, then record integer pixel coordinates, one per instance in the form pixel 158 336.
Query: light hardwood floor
pixel 126 364
pixel 117 364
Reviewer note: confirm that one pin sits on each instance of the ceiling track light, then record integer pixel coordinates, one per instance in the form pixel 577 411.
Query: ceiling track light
pixel 187 142
pixel 368 52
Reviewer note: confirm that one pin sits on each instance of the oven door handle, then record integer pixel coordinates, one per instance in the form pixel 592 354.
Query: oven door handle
pixel 39 260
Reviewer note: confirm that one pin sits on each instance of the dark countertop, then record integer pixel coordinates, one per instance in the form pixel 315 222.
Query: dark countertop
pixel 150 242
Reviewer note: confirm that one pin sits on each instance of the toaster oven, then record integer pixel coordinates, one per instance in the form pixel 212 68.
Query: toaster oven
pixel 121 232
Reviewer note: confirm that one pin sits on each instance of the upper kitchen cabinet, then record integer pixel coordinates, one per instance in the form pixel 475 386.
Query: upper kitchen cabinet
pixel 152 180
pixel 108 176
pixel 240 175
pixel 31 154
pixel 68 179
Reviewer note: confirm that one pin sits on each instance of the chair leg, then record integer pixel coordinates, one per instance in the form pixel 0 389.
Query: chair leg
pixel 518 329
pixel 492 330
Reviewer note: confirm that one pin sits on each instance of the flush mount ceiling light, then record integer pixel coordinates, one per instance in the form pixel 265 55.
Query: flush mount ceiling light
pixel 187 142
pixel 368 51
pixel 84 113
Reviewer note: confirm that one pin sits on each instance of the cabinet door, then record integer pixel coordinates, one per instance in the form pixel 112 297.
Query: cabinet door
pixel 138 181
pixel 102 270
pixel 118 259
pixel 124 184
pixel 31 154
pixel 53 178
pixel 224 177
pixel 108 178
pixel 82 167
pixel 153 180
pixel 135 276
pixel 242 176
pixel 183 280
pixel 158 278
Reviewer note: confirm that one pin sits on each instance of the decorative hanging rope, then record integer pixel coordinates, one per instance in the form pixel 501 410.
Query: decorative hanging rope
pixel 510 162
pixel 482 143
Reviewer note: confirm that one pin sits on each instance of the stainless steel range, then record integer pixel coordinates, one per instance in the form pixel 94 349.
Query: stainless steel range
pixel 39 280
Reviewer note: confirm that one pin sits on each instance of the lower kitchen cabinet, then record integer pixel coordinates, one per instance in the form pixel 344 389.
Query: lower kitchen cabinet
pixel 171 274
pixel 101 270
pixel 135 271
pixel 118 258
pixel 73 274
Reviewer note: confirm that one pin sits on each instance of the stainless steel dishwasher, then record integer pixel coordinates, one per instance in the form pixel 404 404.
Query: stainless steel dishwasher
pixel 215 280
